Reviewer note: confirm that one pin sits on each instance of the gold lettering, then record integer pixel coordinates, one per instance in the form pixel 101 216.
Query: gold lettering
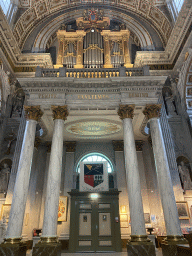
pixel 47 96
pixel 93 96
pixel 138 95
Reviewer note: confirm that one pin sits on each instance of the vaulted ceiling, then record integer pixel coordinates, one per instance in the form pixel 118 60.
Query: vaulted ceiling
pixel 40 22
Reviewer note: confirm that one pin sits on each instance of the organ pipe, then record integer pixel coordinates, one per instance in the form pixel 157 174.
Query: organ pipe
pixel 93 50
pixel 70 55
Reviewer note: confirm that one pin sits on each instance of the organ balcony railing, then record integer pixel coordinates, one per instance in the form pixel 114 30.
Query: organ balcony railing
pixel 92 73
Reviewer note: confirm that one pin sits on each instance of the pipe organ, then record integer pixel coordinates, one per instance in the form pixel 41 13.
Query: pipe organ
pixel 117 58
pixel 69 58
pixel 93 48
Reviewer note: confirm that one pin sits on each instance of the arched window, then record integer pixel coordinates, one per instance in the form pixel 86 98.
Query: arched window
pixel 95 157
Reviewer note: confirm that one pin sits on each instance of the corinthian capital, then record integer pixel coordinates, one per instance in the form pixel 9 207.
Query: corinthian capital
pixel 152 110
pixel 126 111
pixel 60 112
pixel 33 112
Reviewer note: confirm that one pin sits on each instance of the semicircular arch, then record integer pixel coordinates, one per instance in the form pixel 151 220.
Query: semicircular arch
pixel 133 25
pixel 32 18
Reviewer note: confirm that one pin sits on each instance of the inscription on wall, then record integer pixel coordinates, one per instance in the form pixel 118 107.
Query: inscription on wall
pixel 47 96
pixel 138 95
pixel 94 96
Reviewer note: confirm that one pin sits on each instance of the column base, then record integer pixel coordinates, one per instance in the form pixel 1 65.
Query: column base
pixel 47 246
pixel 13 247
pixel 140 246
pixel 169 245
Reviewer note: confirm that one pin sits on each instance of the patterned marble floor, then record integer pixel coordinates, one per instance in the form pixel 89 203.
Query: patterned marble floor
pixel 158 253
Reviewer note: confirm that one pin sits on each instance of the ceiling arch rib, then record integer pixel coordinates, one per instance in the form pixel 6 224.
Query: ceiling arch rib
pixel 50 29
pixel 42 11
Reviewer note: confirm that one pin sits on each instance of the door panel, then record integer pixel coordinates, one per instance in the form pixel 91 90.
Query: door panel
pixel 104 224
pixel 85 224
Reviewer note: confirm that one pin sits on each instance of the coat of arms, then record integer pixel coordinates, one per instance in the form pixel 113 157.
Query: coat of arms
pixel 93 174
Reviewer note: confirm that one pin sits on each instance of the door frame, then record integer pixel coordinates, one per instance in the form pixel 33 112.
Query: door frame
pixel 112 197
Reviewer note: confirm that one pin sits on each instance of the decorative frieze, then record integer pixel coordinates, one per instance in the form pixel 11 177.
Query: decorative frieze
pixel 126 111
pixel 33 112
pixel 118 145
pixel 60 112
pixel 152 110
pixel 70 146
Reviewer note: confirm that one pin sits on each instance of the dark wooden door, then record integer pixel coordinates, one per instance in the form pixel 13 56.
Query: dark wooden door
pixel 94 224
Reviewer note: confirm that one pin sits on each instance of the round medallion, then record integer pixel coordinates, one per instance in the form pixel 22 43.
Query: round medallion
pixel 93 128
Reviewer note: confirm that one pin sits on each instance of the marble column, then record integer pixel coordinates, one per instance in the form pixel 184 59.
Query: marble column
pixel 138 232
pixel 172 223
pixel 107 54
pixel 60 114
pixel 16 217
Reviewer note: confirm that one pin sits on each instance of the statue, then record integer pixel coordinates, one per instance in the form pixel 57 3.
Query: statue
pixel 170 106
pixel 18 101
pixel 4 178
pixel 184 177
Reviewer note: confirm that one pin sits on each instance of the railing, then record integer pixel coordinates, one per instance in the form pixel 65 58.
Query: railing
pixel 92 73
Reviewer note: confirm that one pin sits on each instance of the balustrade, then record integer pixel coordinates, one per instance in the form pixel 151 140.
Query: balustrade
pixel 92 73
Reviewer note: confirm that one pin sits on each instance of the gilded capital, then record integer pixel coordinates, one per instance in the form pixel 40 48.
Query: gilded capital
pixel 152 110
pixel 33 112
pixel 60 112
pixel 118 145
pixel 70 146
pixel 126 111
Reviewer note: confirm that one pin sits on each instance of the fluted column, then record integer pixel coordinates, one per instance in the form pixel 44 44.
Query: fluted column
pixel 138 232
pixel 60 114
pixel 172 222
pixel 15 225
pixel 79 59
pixel 107 53
pixel 127 60
pixel 61 51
